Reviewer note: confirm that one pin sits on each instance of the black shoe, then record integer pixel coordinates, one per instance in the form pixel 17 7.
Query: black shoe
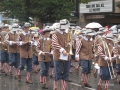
pixel 69 80
pixel 51 76
pixel 87 85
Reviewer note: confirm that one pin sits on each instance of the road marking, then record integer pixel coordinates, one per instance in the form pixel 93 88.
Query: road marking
pixel 81 86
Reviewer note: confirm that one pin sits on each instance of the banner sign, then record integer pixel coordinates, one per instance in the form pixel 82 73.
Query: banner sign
pixel 97 6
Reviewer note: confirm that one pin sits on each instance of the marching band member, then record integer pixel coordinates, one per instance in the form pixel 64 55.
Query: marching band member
pixel 105 61
pixel 84 54
pixel 25 42
pixel 82 32
pixel 43 48
pixel 60 54
pixel 97 42
pixel 73 46
pixel 1 64
pixel 13 49
pixel 117 53
pixel 35 54
pixel 51 61
pixel 4 53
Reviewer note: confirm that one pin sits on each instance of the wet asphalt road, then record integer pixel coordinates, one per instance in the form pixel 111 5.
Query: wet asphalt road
pixel 9 83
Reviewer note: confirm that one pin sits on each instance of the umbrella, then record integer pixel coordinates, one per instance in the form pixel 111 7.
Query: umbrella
pixel 93 25
pixel 113 28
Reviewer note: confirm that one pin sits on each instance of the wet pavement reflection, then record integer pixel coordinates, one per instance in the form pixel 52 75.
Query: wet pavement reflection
pixel 9 83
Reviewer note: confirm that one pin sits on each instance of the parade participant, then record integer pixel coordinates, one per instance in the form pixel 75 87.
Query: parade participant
pixel 97 42
pixel 84 54
pixel 25 42
pixel 4 53
pixel 73 47
pixel 105 61
pixel 61 55
pixel 51 61
pixel 115 35
pixel 35 54
pixel 117 54
pixel 1 64
pixel 82 32
pixel 13 49
pixel 43 48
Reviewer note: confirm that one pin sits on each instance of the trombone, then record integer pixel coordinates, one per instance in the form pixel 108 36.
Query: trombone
pixel 107 51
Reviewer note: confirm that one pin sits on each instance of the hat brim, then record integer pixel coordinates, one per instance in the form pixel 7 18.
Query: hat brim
pixel 109 39
pixel 90 34
pixel 46 31
pixel 64 26
pixel 15 29
pixel 100 32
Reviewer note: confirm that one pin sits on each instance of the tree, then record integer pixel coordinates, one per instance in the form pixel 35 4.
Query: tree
pixel 43 10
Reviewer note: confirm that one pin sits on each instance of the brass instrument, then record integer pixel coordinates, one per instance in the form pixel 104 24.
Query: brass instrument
pixel 4 45
pixel 69 40
pixel 29 44
pixel 107 51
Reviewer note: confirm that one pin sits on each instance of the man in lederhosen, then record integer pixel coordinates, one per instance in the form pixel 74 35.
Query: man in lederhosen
pixel 82 32
pixel 84 54
pixel 51 61
pixel 4 53
pixel 13 49
pixel 60 54
pixel 1 64
pixel 43 48
pixel 117 54
pixel 105 61
pixel 25 42
pixel 97 42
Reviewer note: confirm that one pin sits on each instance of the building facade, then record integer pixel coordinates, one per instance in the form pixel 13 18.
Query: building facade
pixel 105 12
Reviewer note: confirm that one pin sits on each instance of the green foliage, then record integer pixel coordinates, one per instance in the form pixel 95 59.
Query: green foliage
pixel 43 10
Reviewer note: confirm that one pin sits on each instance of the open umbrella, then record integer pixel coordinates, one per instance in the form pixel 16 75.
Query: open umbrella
pixel 93 25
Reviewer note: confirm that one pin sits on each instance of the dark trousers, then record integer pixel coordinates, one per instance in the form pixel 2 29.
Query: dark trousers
pixel 27 62
pixel 35 60
pixel 44 68
pixel 4 56
pixel 104 72
pixel 61 70
pixel 14 59
pixel 86 66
